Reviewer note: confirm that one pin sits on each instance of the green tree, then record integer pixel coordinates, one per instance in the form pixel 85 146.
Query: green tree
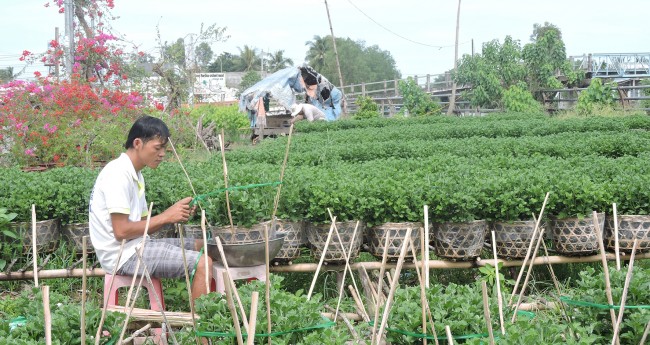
pixel 225 62
pixel 175 52
pixel 248 59
pixel 249 79
pixel 597 95
pixel 203 55
pixel 497 68
pixel 545 59
pixel 318 48
pixel 359 63
pixel 278 61
pixel 415 100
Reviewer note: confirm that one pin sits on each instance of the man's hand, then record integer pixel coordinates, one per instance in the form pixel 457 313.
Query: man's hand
pixel 179 212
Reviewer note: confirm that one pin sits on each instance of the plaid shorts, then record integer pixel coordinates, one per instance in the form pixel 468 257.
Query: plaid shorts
pixel 164 258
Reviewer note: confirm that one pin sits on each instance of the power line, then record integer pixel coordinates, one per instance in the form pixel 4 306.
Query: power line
pixel 398 35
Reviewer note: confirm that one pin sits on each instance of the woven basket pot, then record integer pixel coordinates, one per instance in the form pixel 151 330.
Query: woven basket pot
pixel 48 233
pixel 630 227
pixel 459 241
pixel 396 232
pixel 317 235
pixel 74 233
pixel 512 239
pixel 294 238
pixel 575 236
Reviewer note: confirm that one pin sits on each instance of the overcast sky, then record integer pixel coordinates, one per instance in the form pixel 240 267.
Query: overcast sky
pixel 419 34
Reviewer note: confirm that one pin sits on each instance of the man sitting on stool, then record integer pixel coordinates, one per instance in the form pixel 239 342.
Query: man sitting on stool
pixel 306 111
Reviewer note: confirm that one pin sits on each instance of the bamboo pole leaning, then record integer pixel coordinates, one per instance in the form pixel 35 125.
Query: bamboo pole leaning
pixel 616 247
pixel 426 310
pixel 608 284
pixel 540 239
pixel 110 287
pixel 225 179
pixel 530 246
pixel 267 282
pixel 46 314
pixel 204 234
pixel 322 258
pixel 450 338
pixel 378 300
pixel 82 324
pixel 486 312
pixel 626 286
pixel 498 280
pixel 252 320
pixel 427 256
pixel 188 284
pixel 233 310
pixel 393 286
pixel 34 251
pixel 347 255
pixel 231 282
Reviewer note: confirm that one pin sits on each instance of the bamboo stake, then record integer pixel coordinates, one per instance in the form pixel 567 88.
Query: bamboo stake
pixel 393 286
pixel 450 338
pixel 34 252
pixel 232 282
pixel 46 314
pixel 252 319
pixel 346 253
pixel 347 322
pixel 626 286
pixel 179 227
pixel 84 240
pixel 384 258
pixel 181 164
pixel 616 247
pixel 322 258
pixel 427 257
pixel 496 270
pixel 423 300
pixel 486 310
pixel 231 307
pixel 645 333
pixel 225 179
pixel 360 307
pixel 608 284
pixel 136 333
pixel 204 233
pixel 268 279
pixel 276 201
pixel 540 239
pixel 530 246
pixel 105 306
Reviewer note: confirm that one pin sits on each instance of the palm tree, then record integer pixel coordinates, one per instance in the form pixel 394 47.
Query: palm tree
pixel 277 61
pixel 318 48
pixel 248 59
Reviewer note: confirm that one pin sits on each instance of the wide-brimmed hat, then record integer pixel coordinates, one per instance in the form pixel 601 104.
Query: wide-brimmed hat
pixel 295 109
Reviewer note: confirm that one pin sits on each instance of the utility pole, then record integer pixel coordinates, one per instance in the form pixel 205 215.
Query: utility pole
pixel 336 53
pixel 69 32
pixel 56 59
pixel 452 100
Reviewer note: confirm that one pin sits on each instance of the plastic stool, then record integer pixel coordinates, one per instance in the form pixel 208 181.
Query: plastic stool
pixel 236 273
pixel 122 281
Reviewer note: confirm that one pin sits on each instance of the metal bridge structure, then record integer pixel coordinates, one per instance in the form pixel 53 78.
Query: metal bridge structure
pixel 616 65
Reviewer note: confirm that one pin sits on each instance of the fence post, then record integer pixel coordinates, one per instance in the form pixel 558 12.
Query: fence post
pixel 396 88
pixel 363 89
pixel 385 91
pixel 428 83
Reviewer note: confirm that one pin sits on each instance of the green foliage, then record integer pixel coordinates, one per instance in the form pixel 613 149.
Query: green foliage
pixel 595 96
pixel 415 100
pixel 224 117
pixel 517 98
pixel 371 63
pixel 5 231
pixel 290 312
pixel 65 320
pixel 368 109
pixel 498 67
pixel 590 287
pixel 249 79
pixel 646 92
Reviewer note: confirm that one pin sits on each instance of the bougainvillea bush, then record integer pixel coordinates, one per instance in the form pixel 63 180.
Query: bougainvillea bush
pixel 68 122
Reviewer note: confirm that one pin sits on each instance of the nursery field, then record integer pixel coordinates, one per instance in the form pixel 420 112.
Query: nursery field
pixel 494 170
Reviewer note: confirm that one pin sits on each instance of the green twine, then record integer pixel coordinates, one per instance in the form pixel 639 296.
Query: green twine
pixel 326 324
pixel 202 197
pixel 195 266
pixel 600 306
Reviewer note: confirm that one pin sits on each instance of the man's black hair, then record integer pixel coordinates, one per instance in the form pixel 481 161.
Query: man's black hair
pixel 147 128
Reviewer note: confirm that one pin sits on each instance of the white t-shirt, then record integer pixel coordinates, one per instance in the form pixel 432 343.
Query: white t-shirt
pixel 118 189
